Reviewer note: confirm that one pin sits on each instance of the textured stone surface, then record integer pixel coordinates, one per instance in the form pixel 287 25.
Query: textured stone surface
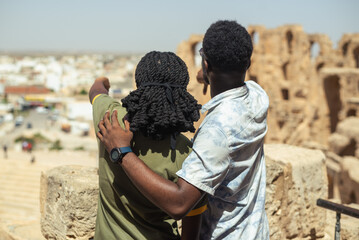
pixel 68 202
pixel 338 142
pixel 344 152
pixel 349 128
pixel 349 180
pixel 296 178
pixel 311 85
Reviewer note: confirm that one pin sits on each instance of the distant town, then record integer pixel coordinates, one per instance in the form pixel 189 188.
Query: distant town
pixel 42 96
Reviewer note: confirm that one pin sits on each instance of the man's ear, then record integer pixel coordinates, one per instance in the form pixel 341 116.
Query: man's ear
pixel 205 65
pixel 249 64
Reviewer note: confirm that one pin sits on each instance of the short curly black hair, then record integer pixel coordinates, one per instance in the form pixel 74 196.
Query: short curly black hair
pixel 227 46
pixel 161 105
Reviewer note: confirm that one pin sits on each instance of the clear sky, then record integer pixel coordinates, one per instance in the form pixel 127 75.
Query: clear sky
pixel 140 26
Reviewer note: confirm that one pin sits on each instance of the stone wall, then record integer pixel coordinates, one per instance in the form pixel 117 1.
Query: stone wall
pixel 343 156
pixel 296 178
pixel 68 202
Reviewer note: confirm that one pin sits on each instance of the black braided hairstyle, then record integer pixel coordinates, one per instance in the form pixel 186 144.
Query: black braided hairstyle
pixel 149 108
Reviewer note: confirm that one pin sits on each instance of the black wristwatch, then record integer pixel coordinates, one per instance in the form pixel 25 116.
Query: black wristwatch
pixel 117 154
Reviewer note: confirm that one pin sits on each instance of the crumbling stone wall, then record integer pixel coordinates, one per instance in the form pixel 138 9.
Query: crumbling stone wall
pixel 309 91
pixel 296 178
pixel 343 155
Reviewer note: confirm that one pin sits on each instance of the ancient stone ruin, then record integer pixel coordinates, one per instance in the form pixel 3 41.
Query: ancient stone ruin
pixel 311 85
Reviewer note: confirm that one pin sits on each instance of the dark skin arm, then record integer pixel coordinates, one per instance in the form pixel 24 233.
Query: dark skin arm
pixel 176 199
pixel 190 227
pixel 100 86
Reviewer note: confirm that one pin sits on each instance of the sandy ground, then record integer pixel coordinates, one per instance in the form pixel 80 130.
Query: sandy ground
pixel 19 216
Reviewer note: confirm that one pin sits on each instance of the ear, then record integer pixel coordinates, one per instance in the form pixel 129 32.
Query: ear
pixel 249 64
pixel 205 65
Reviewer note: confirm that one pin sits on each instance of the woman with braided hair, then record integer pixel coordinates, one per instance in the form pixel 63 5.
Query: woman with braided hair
pixel 161 104
pixel 158 111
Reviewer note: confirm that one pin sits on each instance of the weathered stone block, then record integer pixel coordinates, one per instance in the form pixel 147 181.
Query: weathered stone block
pixel 296 178
pixel 68 202
pixel 349 180
pixel 337 143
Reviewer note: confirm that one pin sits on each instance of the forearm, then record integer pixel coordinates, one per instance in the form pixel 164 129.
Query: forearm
pixel 176 199
pixel 100 86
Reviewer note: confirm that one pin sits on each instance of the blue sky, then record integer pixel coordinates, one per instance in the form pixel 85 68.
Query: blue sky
pixel 141 26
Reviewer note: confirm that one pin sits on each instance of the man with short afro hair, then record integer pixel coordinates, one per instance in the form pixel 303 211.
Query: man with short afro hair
pixel 227 161
pixel 228 46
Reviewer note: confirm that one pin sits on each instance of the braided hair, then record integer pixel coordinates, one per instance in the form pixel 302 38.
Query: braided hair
pixel 161 105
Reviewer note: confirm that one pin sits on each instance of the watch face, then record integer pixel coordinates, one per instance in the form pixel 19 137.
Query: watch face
pixel 115 155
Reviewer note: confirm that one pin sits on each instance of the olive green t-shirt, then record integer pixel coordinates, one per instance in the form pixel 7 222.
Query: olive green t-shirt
pixel 123 212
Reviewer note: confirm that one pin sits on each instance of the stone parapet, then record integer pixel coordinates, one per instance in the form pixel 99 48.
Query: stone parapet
pixel 68 202
pixel 296 178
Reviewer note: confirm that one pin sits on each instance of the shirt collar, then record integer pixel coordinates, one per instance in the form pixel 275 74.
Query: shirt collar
pixel 229 94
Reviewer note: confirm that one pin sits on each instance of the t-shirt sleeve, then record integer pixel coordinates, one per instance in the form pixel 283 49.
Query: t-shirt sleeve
pixel 200 207
pixel 208 163
pixel 101 103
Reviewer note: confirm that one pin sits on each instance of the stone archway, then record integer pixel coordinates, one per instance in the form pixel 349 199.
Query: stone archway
pixel 351 112
pixel 356 56
pixel 285 70
pixel 195 53
pixel 320 66
pixel 314 50
pixel 345 48
pixel 289 36
pixel 332 94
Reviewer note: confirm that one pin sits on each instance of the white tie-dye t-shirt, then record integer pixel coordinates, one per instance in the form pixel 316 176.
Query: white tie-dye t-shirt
pixel 227 162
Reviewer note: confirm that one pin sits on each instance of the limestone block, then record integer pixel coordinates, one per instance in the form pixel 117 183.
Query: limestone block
pixel 349 128
pixel 68 202
pixel 296 178
pixel 338 142
pixel 333 162
pixel 349 179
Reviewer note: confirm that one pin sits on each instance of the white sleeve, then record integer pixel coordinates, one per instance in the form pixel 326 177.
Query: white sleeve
pixel 209 162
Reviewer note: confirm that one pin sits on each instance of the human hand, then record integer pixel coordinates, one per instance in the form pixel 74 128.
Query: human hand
pixel 104 81
pixel 112 134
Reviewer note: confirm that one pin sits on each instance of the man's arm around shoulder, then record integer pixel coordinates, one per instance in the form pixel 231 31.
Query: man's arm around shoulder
pixel 176 199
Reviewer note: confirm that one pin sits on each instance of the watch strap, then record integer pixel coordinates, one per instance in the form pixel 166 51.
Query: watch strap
pixel 125 150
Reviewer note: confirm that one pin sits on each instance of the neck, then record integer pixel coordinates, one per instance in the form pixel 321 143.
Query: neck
pixel 221 82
